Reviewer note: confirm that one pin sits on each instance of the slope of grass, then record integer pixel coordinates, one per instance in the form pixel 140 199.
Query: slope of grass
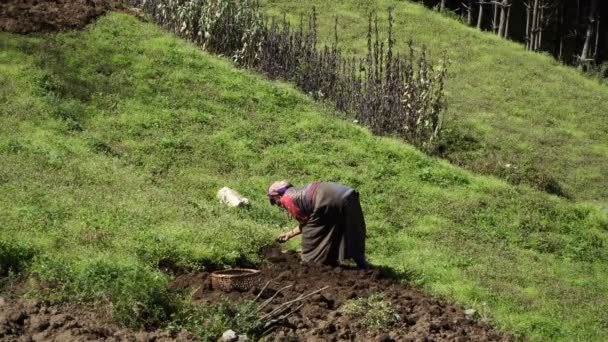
pixel 114 141
pixel 511 113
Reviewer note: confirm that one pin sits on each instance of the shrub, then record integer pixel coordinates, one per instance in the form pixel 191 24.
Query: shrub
pixel 14 257
pixel 373 312
pixel 211 320
pixel 138 294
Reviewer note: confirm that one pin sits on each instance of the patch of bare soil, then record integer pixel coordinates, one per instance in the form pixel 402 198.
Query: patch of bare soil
pixel 22 320
pixel 422 318
pixel 25 16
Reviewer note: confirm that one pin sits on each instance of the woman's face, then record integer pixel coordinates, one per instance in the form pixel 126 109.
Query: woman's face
pixel 277 201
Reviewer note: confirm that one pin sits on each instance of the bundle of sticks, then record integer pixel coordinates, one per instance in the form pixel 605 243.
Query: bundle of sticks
pixel 269 321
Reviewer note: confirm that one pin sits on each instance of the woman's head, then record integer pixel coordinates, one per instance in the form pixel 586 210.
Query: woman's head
pixel 277 190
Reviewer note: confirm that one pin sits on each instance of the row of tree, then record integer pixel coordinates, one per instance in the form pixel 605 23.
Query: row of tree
pixel 574 31
pixel 391 93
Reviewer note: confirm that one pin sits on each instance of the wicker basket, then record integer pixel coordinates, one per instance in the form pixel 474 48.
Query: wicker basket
pixel 240 279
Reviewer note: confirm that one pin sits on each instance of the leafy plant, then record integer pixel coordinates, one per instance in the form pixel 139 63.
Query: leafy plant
pixel 373 312
pixel 14 257
pixel 209 321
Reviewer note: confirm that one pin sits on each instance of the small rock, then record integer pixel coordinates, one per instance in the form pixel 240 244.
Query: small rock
pixel 229 336
pixel 232 198
pixel 243 338
pixel 470 312
pixel 2 302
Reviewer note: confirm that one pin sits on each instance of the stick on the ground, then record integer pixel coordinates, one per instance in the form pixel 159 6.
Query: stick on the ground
pixel 271 322
pixel 267 301
pixel 263 289
pixel 300 298
pixel 281 307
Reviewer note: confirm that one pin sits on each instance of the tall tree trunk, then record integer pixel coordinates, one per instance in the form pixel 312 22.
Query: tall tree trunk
pixel 495 20
pixel 503 18
pixel 584 54
pixel 470 13
pixel 541 26
pixel 480 15
pixel 442 7
pixel 557 28
pixel 597 40
pixel 534 28
pixel 508 22
pixel 528 22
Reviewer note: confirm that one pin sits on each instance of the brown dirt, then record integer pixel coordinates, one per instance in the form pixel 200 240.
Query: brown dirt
pixel 25 16
pixel 22 320
pixel 422 318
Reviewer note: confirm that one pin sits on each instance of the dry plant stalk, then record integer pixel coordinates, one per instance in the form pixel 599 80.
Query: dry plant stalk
pixel 391 94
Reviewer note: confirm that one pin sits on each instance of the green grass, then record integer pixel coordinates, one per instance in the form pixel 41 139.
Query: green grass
pixel 114 141
pixel 506 106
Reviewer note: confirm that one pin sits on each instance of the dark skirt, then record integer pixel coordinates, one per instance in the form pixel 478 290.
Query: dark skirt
pixel 336 229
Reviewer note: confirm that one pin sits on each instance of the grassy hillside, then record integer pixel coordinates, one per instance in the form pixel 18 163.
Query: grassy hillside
pixel 512 113
pixel 114 141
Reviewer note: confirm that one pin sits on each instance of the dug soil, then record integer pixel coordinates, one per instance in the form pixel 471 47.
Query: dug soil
pixel 422 318
pixel 25 16
pixel 23 320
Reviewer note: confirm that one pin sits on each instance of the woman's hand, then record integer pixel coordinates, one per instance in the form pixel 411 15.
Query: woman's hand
pixel 284 237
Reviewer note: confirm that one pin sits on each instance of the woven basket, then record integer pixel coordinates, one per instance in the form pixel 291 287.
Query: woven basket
pixel 240 279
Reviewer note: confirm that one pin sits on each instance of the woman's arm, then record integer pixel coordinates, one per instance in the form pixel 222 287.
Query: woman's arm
pixel 286 236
